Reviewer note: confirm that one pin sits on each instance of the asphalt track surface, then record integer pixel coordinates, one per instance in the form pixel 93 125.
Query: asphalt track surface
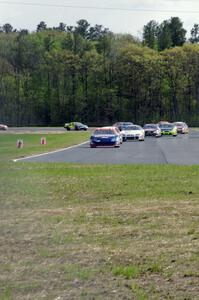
pixel 180 150
pixel 34 130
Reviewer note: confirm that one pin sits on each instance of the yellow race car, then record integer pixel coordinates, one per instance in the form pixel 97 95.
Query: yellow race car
pixel 75 126
pixel 168 129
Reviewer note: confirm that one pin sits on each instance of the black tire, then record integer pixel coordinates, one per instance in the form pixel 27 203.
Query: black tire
pixel 68 128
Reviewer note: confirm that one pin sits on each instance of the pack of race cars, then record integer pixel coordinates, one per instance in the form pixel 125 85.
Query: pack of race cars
pixel 123 131
pixel 120 132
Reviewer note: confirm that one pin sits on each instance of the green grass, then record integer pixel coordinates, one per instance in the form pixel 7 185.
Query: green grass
pixel 127 272
pixel 96 231
pixel 8 149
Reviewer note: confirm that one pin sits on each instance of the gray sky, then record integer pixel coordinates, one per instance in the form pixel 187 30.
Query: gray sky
pixel 119 21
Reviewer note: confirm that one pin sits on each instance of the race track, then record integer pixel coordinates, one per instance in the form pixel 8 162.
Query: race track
pixel 181 150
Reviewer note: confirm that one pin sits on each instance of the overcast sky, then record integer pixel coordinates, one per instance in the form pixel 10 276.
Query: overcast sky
pixel 130 17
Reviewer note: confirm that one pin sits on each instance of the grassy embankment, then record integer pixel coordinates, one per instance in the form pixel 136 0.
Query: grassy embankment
pixel 71 231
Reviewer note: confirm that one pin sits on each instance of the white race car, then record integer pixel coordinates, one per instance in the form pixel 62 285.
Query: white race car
pixel 3 127
pixel 133 132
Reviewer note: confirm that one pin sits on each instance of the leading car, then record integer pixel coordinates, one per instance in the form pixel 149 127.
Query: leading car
pixel 105 136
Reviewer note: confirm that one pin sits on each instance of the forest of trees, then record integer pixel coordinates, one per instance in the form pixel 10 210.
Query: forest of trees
pixel 84 73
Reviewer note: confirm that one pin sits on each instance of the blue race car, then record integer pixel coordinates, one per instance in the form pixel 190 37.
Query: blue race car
pixel 105 136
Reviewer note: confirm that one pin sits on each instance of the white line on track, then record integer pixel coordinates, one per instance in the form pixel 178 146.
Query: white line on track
pixel 50 152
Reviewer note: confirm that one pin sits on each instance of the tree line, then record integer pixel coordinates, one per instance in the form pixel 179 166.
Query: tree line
pixel 84 73
pixel 168 34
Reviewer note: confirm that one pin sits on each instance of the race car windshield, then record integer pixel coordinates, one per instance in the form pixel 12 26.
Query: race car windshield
pixel 179 124
pixel 169 126
pixel 150 126
pixel 104 131
pixel 127 123
pixel 132 127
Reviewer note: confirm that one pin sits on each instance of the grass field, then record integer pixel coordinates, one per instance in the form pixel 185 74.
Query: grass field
pixel 70 231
